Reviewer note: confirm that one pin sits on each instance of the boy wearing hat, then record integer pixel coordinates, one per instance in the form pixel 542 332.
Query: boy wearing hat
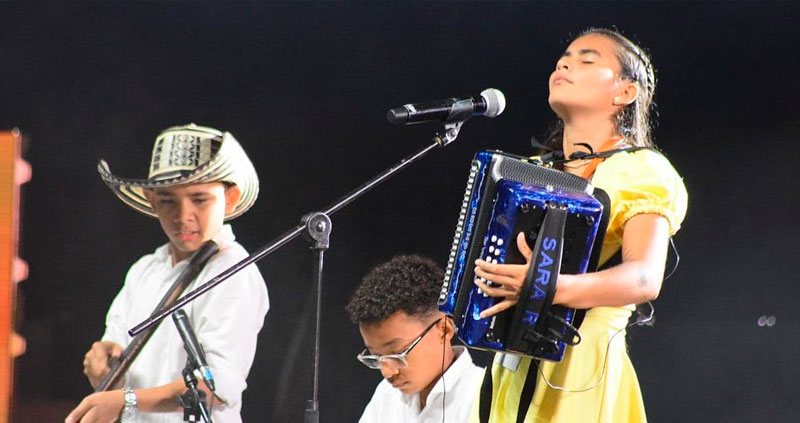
pixel 407 338
pixel 199 178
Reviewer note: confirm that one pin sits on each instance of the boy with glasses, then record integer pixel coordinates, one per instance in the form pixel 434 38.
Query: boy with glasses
pixel 408 340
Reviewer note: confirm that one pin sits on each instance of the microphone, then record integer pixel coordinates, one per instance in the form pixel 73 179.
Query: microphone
pixel 490 103
pixel 193 347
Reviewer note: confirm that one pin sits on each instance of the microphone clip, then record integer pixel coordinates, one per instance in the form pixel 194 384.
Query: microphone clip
pixel 451 130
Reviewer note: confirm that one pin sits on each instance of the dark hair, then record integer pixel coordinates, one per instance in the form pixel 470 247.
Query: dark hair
pixel 407 283
pixel 633 120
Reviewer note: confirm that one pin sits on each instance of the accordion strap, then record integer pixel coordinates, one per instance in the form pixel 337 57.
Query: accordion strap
pixel 525 398
pixel 540 283
pixel 485 405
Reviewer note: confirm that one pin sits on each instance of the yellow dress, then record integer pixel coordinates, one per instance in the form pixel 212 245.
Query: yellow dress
pixel 639 182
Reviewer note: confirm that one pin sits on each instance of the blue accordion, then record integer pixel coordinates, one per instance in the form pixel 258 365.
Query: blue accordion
pixel 564 220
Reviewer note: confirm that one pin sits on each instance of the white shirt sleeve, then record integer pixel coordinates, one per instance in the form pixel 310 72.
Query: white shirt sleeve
pixel 117 323
pixel 227 320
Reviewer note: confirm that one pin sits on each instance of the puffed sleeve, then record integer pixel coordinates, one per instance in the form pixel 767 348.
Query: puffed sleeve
pixel 641 182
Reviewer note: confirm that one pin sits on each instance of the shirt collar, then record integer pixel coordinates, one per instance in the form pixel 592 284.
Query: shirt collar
pixel 453 373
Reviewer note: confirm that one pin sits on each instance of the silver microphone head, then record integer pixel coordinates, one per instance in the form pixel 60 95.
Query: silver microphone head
pixel 495 102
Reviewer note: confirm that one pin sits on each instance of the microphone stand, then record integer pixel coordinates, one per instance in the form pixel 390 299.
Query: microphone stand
pixel 318 232
pixel 193 400
pixel 316 227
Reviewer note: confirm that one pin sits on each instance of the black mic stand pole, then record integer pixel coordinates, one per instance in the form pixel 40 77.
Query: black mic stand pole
pixel 316 227
pixel 318 232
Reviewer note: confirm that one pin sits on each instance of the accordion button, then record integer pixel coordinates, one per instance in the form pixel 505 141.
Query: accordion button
pixel 500 241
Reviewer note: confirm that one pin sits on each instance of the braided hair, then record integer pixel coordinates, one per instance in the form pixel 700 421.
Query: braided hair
pixel 632 121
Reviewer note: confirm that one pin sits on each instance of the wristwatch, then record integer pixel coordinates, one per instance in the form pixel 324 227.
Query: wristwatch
pixel 131 410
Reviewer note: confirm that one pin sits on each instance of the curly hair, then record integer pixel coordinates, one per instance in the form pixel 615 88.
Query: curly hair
pixel 408 283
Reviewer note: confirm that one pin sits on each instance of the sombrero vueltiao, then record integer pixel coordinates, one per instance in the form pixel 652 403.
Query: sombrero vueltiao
pixel 189 154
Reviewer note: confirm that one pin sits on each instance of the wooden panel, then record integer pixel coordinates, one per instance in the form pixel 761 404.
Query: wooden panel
pixel 13 172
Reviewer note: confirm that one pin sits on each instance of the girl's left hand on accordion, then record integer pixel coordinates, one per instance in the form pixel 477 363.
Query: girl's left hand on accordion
pixel 507 279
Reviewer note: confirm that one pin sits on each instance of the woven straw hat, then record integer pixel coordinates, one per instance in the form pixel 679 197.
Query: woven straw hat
pixel 189 154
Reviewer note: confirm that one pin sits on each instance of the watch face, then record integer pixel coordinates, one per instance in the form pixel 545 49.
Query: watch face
pixel 129 414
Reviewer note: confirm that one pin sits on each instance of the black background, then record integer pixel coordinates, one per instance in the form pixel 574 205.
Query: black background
pixel 304 87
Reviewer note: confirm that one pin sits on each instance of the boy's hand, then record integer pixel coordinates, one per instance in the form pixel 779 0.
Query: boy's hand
pixel 96 361
pixel 100 407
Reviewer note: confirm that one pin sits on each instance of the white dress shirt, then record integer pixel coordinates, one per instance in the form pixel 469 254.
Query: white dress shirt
pixel 462 382
pixel 226 319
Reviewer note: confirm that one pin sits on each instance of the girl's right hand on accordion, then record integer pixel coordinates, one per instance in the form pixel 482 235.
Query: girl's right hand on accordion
pixel 507 279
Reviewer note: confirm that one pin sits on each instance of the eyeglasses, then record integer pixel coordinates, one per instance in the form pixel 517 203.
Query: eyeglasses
pixel 394 361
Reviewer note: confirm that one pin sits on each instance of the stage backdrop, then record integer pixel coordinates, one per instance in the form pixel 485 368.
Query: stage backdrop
pixel 305 88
